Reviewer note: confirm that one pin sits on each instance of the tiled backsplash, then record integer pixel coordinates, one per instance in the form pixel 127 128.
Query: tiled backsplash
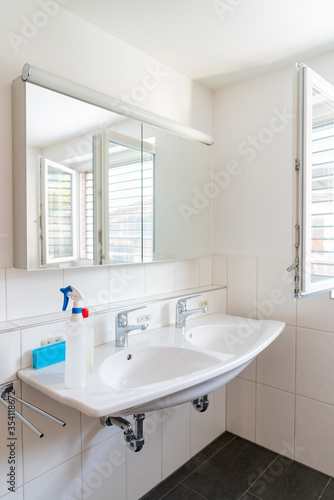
pixel 83 459
pixel 31 293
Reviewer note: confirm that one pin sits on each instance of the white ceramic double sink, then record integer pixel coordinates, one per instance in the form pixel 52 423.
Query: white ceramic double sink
pixel 162 367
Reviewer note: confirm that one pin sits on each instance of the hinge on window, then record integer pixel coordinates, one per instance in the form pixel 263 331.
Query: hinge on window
pixel 101 250
pixel 297 235
pixel 295 267
pixel 297 164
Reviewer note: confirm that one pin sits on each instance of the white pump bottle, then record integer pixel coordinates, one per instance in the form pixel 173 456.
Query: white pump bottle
pixel 76 341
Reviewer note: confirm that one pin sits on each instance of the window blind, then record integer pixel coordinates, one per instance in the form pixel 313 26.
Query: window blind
pixel 130 221
pixel 322 216
pixel 58 212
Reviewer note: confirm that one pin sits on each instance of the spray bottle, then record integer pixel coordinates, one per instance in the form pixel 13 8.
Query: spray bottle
pixel 90 343
pixel 76 341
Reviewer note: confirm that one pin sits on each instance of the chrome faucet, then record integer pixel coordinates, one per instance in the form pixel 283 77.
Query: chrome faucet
pixel 182 313
pixel 122 328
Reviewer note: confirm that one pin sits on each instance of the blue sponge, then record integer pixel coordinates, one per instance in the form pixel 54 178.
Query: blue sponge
pixel 48 355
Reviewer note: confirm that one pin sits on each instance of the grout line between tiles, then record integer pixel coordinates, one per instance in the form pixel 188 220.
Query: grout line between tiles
pixel 227 284
pixel 6 295
pixel 257 314
pixel 265 470
pixel 255 496
pixel 295 394
pixel 196 492
pixel 323 491
pixel 51 469
pixel 196 468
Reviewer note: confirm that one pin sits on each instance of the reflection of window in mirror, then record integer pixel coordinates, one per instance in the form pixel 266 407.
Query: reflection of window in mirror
pixel 57 212
pixel 315 252
pixel 66 201
pixel 128 233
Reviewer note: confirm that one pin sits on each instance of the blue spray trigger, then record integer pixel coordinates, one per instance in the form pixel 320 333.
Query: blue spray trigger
pixel 66 297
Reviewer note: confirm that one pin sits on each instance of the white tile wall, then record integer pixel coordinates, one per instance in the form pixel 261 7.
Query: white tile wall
pixel 92 283
pixel 220 301
pixel 62 481
pixel 126 282
pixel 85 458
pixel 205 271
pixel 104 328
pixel 10 350
pixel 4 451
pixel 314 434
pixel 275 299
pixel 220 411
pixel 241 286
pixel 58 445
pixel 249 373
pixel 283 400
pixel 16 495
pixel 275 417
pixel 93 433
pixel 194 302
pixel 32 293
pixel 31 338
pixel 316 312
pixel 104 470
pixel 315 367
pixel 2 295
pixel 175 437
pixel 144 469
pixel 219 269
pixel 240 403
pixel 276 365
pixel 201 427
pixel 159 277
pixel 187 274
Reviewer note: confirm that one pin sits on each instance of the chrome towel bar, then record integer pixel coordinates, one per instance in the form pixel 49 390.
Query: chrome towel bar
pixel 7 394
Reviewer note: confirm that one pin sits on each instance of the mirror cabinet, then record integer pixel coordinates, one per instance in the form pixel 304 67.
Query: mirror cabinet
pixel 95 186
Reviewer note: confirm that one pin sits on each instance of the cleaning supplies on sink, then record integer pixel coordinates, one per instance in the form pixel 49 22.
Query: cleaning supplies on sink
pixel 90 342
pixel 48 355
pixel 76 341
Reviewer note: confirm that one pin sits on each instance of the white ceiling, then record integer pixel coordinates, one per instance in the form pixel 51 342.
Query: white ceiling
pixel 217 42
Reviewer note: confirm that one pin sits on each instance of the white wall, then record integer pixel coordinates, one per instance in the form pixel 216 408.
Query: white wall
pixel 74 49
pixel 283 400
pixel 55 466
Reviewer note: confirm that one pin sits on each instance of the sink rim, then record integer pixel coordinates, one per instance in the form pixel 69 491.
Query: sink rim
pixel 98 399
pixel 264 327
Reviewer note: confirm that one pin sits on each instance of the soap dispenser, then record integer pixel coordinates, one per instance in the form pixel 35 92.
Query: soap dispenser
pixel 76 341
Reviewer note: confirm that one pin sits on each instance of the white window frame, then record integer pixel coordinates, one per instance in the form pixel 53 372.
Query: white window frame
pixel 308 80
pixel 101 167
pixel 44 212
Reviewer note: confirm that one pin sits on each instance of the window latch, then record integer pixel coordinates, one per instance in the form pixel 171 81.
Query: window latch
pixel 293 265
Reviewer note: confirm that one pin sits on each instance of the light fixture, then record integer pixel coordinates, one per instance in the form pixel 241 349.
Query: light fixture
pixel 72 89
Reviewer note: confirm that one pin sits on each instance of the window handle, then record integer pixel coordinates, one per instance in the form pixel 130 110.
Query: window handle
pixel 293 265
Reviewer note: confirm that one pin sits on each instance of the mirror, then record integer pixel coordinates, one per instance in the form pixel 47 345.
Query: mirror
pixel 102 188
pixel 182 226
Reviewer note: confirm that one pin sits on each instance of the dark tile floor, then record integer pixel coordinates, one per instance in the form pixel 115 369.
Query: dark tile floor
pixel 231 468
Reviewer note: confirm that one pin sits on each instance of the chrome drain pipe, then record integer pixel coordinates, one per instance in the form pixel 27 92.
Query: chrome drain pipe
pixel 201 404
pixel 133 438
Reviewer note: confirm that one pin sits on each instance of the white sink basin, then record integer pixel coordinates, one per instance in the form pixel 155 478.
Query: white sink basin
pixel 142 366
pixel 162 367
pixel 216 338
pixel 231 337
